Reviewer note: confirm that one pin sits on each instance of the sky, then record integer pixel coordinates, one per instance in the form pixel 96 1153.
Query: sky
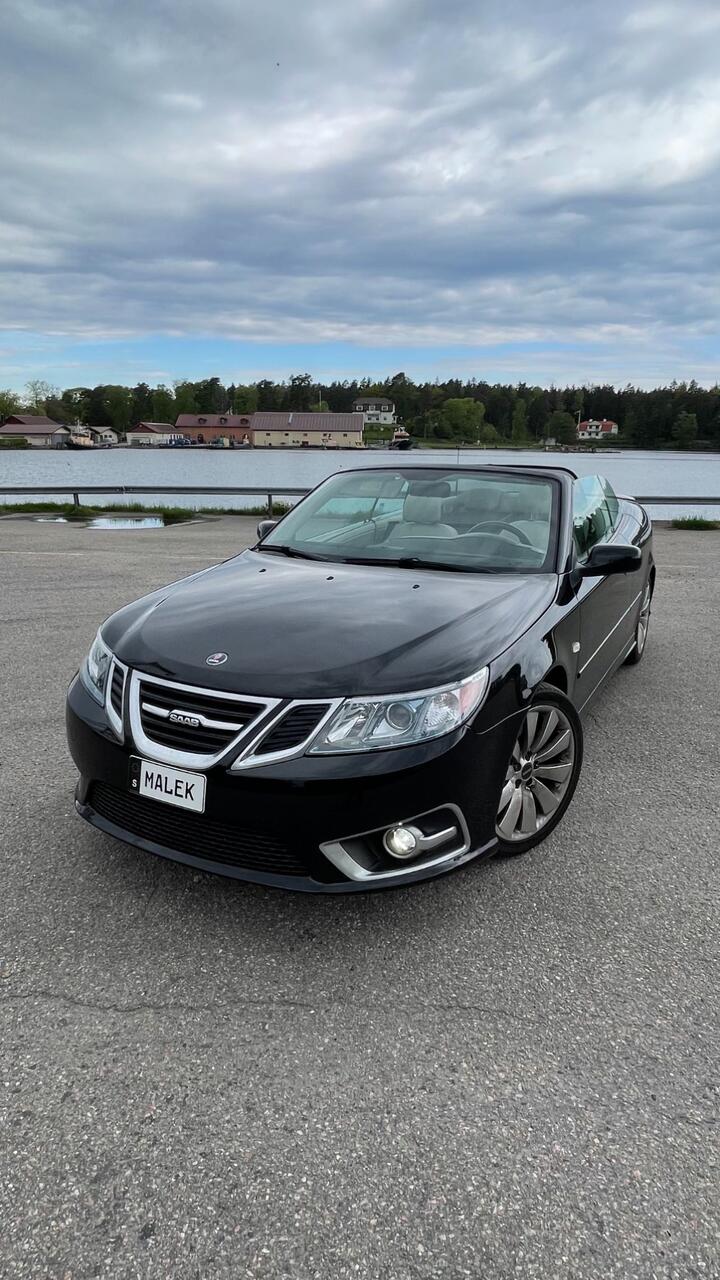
pixel 504 190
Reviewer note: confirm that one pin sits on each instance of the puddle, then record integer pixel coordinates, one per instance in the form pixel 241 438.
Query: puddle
pixel 108 522
pixel 126 522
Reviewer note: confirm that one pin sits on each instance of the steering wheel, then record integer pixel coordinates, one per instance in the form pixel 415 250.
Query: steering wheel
pixel 497 526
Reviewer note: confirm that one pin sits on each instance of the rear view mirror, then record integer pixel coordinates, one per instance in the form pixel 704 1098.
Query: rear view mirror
pixel 379 486
pixel 606 557
pixel 264 527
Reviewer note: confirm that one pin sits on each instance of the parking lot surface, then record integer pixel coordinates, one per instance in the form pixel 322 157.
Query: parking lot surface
pixel 509 1072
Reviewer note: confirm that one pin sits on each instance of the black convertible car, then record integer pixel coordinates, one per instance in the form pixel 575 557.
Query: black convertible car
pixel 386 686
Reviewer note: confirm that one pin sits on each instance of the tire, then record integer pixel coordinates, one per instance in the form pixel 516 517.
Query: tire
pixel 550 737
pixel 641 629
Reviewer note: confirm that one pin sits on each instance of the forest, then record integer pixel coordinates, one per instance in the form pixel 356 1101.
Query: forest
pixel 681 415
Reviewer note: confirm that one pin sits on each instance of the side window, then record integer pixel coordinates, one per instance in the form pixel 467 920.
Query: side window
pixel 591 516
pixel 611 499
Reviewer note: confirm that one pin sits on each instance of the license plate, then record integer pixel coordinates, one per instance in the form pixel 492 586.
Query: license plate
pixel 171 786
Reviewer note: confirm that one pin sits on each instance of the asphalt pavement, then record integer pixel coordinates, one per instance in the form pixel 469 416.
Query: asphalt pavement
pixel 509 1072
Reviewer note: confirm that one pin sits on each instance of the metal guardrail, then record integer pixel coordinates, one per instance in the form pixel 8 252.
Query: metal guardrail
pixel 664 500
pixel 207 490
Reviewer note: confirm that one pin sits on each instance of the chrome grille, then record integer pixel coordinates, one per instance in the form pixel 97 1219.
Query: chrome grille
pixel 115 696
pixel 190 726
pixel 117 686
pixel 191 721
pixel 293 729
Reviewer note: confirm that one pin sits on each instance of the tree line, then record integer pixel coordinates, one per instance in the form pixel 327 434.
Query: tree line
pixel 680 415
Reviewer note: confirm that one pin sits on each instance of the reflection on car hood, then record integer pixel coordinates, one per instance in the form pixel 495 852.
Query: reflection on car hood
pixel 297 628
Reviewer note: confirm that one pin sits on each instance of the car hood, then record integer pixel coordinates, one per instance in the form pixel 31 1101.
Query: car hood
pixel 303 629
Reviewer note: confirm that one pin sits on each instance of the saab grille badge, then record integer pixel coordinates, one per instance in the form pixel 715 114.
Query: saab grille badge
pixel 216 659
pixel 182 717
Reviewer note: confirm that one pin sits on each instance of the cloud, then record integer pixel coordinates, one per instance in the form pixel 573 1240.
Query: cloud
pixel 388 173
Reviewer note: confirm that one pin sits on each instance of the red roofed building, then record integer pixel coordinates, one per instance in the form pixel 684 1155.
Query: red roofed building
pixel 208 427
pixel 596 428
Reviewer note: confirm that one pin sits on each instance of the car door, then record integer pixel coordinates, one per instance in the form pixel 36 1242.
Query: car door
pixel 607 616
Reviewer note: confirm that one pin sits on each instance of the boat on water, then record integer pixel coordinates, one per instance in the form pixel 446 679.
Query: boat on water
pixel 80 441
pixel 401 439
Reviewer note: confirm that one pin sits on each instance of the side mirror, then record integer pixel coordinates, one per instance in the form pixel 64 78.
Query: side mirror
pixel 606 557
pixel 264 528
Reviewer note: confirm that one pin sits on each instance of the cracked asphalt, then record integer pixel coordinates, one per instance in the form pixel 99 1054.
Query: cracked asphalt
pixel 509 1072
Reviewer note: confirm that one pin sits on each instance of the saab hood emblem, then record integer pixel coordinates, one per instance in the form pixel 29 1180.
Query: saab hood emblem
pixel 216 659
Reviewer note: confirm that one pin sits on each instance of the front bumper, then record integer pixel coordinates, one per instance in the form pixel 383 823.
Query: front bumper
pixel 269 824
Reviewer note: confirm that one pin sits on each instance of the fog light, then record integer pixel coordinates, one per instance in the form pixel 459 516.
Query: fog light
pixel 401 842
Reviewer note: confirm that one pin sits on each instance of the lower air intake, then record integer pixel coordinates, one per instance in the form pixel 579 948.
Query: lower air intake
pixel 192 833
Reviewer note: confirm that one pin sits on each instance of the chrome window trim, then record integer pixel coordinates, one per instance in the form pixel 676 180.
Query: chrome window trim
pixel 172 755
pixel 248 760
pixel 610 633
pixel 335 851
pixel 115 720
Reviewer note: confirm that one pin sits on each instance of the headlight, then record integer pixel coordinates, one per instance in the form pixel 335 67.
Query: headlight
pixel 94 671
pixel 398 720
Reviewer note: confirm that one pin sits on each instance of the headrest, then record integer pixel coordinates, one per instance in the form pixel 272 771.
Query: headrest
pixel 485 498
pixel 422 509
pixel 513 505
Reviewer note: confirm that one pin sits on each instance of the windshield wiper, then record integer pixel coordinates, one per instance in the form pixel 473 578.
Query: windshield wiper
pixel 282 549
pixel 416 562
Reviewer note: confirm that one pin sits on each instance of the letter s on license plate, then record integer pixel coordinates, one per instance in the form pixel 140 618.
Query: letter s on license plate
pixel 172 786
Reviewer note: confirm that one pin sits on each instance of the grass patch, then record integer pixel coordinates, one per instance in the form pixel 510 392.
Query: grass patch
pixel 45 508
pixel 279 509
pixel 171 515
pixel 695 522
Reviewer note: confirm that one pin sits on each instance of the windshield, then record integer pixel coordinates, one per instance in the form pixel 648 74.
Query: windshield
pixel 471 521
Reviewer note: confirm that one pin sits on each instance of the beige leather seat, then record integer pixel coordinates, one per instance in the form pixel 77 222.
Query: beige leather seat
pixel 422 518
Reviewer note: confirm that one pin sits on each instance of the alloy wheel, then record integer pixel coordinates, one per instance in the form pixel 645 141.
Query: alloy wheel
pixel 539 773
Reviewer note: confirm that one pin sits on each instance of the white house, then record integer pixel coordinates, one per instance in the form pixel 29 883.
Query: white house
pixel 90 437
pixel 39 431
pixel 596 428
pixel 378 410
pixel 151 433
pixel 102 435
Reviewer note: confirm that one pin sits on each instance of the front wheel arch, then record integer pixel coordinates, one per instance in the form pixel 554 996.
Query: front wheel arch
pixel 546 695
pixel 557 677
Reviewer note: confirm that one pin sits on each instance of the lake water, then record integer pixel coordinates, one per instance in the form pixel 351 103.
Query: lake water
pixel 630 472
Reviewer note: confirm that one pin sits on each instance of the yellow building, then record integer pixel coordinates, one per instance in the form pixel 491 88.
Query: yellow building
pixel 294 430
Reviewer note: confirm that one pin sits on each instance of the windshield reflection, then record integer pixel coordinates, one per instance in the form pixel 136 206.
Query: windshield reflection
pixel 451 519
